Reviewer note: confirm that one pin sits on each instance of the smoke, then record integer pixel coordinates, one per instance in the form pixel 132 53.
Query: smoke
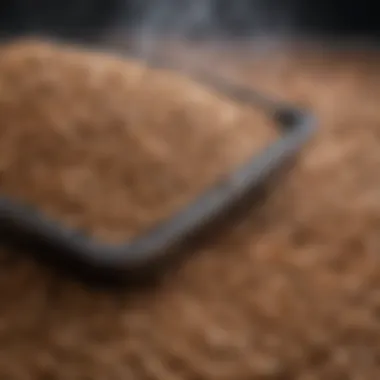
pixel 204 18
pixel 182 18
pixel 175 20
pixel 146 24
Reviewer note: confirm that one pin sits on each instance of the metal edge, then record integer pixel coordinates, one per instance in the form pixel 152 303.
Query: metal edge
pixel 72 249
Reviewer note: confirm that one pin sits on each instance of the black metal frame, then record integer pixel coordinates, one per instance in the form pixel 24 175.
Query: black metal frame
pixel 69 248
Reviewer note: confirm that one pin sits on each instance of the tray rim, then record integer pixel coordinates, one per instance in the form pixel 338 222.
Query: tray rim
pixel 69 248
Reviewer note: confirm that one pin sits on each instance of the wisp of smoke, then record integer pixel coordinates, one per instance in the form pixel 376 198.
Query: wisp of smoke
pixel 212 24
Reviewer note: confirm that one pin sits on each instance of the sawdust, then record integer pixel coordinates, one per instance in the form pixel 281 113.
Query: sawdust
pixel 104 144
pixel 291 292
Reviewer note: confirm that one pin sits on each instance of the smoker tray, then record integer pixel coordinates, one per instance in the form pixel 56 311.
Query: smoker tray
pixel 84 255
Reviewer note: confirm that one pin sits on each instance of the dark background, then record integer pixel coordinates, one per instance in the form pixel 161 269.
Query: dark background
pixel 86 19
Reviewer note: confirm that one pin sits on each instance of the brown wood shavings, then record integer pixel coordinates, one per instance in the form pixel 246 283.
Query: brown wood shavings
pixel 292 292
pixel 110 145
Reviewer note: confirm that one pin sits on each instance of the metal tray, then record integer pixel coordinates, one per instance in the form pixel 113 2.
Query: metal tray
pixel 140 258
